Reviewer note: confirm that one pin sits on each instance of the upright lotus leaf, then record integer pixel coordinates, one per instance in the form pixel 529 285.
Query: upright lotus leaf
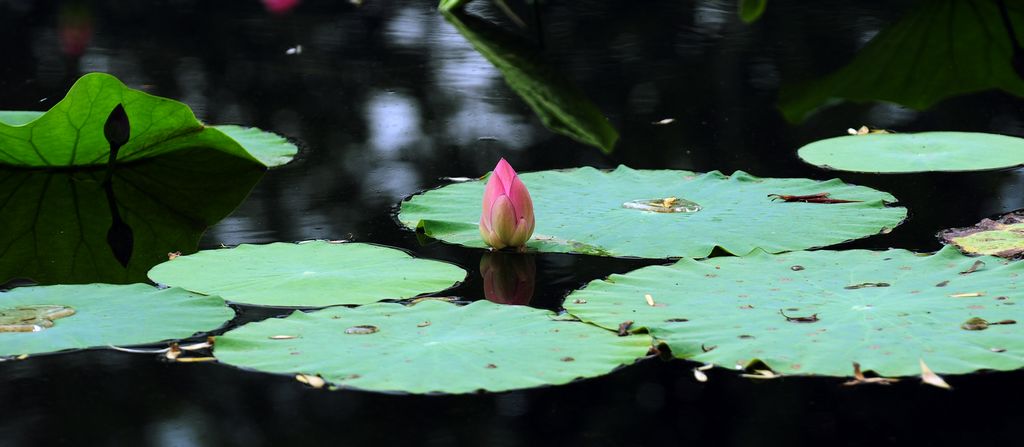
pixel 818 312
pixel 73 227
pixel 559 104
pixel 603 213
pixel 451 5
pixel 942 49
pixel 311 274
pixel 915 152
pixel 1003 236
pixel 71 133
pixel 751 10
pixel 431 347
pixel 96 315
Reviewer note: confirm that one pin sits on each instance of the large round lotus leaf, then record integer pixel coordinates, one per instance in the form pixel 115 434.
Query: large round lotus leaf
pixel 915 152
pixel 818 312
pixel 101 315
pixel 312 274
pixel 432 346
pixel 1002 237
pixel 581 211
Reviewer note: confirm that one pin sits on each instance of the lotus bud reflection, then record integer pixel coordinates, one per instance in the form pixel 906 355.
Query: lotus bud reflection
pixel 508 277
pixel 507 218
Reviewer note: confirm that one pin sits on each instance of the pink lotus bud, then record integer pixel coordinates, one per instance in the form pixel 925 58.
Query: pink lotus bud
pixel 280 6
pixel 508 277
pixel 507 219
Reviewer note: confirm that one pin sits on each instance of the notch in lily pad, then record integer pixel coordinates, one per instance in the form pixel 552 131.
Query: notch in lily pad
pixel 880 309
pixel 308 274
pixel 93 125
pixel 479 347
pixel 893 153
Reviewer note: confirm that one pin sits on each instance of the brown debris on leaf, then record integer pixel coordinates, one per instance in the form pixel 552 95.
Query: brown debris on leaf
pixel 809 319
pixel 172 255
pixel 978 265
pixel 865 285
pixel 821 197
pixel 860 379
pixel 929 377
pixel 1002 236
pixel 980 324
pixel 624 328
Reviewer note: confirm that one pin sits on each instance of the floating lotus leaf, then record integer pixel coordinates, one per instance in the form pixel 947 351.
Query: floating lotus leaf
pixel 1002 237
pixel 71 133
pixel 818 312
pixel 941 49
pixel 915 152
pixel 312 274
pixel 596 212
pixel 432 346
pixel 95 315
pixel 73 227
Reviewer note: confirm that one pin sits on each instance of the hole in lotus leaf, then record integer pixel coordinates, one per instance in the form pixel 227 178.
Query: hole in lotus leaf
pixel 362 329
pixel 666 205
pixel 32 318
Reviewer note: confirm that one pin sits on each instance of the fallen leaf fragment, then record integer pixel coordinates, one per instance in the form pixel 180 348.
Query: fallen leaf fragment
pixel 21 357
pixel 762 374
pixel 173 352
pixel 978 265
pixel 859 379
pixel 172 255
pixel 967 295
pixel 650 299
pixel 821 197
pixel 311 380
pixel 929 377
pixel 810 319
pixel 865 130
pixel 196 359
pixel 423 324
pixel 197 346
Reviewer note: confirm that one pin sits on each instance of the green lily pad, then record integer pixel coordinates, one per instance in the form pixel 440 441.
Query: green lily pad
pixel 431 347
pixel 595 212
pixel 942 49
pixel 1003 236
pixel 71 227
pixel 818 312
pixel 915 152
pixel 104 314
pixel 560 105
pixel 311 274
pixel 71 133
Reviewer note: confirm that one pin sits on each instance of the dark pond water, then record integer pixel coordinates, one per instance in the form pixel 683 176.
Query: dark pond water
pixel 386 98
